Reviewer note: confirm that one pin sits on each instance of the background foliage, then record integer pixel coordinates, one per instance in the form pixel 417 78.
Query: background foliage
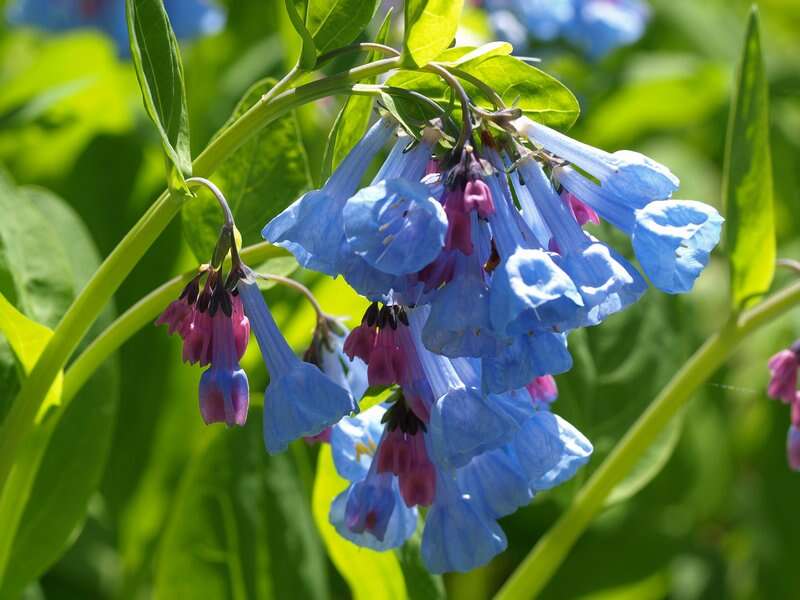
pixel 188 511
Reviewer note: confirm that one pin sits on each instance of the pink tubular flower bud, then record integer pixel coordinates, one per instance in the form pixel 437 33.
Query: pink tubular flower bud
pixel 783 370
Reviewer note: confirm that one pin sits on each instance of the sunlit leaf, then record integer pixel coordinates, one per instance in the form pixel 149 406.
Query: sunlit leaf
pixel 539 96
pixel 430 26
pixel 748 191
pixel 371 575
pixel 157 59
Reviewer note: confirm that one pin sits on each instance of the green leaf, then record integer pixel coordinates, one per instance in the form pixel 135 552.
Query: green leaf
pixel 371 575
pixel 336 23
pixel 67 455
pixel 157 60
pixel 308 49
pixel 421 583
pixel 261 179
pixel 650 464
pixel 240 526
pixel 353 119
pixel 539 96
pixel 430 27
pixel 747 181
pixel 34 273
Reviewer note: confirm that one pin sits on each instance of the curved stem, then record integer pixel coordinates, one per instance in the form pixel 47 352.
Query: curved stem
pixel 360 47
pixel 547 555
pixel 98 291
pixel 490 92
pixel 297 286
pixel 223 203
pixel 466 116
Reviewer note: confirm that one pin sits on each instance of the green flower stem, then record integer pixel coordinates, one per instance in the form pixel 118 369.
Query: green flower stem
pixel 144 312
pixel 126 255
pixel 547 555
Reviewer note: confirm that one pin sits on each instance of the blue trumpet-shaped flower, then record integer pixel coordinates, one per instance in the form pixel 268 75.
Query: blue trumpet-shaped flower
pixel 311 228
pixel 464 422
pixel 300 400
pixel 189 18
pixel 371 511
pixel 459 323
pixel 395 225
pixel 606 282
pixel 458 534
pixel 673 241
pixel 528 356
pixel 625 175
pixel 529 291
pixel 549 450
pixel 497 482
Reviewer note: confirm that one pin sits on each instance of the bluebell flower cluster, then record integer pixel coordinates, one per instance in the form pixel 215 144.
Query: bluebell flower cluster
pixel 478 266
pixel 189 18
pixel 596 26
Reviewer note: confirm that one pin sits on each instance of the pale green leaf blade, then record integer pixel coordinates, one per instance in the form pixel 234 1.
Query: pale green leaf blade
pixel 747 183
pixel 430 28
pixel 157 60
pixel 371 575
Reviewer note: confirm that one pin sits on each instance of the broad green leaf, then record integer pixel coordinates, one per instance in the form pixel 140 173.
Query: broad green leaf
pixel 67 458
pixel 240 526
pixel 157 60
pixel 539 96
pixel 261 179
pixel 352 121
pixel 747 183
pixel 421 583
pixel 430 27
pixel 650 463
pixel 371 575
pixel 336 23
pixel 35 275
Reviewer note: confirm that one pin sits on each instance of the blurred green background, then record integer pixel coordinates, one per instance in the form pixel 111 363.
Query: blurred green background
pixel 720 519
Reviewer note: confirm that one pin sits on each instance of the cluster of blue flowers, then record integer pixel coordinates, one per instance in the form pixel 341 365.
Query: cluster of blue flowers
pixel 478 266
pixel 596 26
pixel 189 18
